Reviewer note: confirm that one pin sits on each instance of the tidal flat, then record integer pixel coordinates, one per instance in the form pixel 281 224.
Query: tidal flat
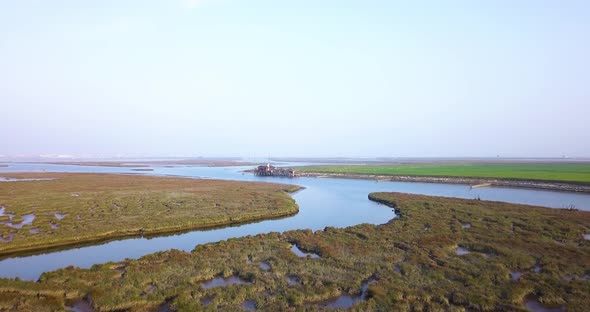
pixel 44 210
pixel 408 264
pixel 152 163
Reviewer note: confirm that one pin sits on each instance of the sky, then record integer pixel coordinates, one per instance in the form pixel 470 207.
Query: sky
pixel 333 78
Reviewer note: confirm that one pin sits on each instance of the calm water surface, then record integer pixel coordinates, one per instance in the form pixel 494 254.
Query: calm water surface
pixel 324 202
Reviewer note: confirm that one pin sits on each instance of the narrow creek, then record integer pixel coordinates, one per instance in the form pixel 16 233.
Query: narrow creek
pixel 348 301
pixel 324 202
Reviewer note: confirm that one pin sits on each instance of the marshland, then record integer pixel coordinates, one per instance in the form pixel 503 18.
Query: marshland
pixel 271 265
pixel 410 261
pixel 57 209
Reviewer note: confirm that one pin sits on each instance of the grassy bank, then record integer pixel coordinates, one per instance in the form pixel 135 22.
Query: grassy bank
pixel 577 173
pixel 77 208
pixel 412 259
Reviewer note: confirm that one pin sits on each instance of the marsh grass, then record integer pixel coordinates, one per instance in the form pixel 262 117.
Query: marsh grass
pixel 411 269
pixel 112 206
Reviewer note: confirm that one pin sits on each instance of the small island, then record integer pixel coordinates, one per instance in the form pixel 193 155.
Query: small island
pixel 43 210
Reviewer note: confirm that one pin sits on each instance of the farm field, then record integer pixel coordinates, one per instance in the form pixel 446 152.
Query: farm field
pixel 561 172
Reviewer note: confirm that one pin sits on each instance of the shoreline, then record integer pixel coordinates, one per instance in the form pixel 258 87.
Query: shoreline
pixel 286 207
pixel 492 182
pixel 135 233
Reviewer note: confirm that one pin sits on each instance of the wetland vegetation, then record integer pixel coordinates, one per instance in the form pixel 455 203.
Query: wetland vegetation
pixel 408 264
pixel 73 208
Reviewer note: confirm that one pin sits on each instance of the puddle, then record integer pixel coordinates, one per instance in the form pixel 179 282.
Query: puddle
pixel 3 213
pixel 166 306
pixel 587 236
pixel 8 239
pixel 27 220
pixel 560 243
pixel 221 282
pixel 151 288
pixel 121 269
pixel 59 216
pixel 462 251
pixel 397 269
pixel 81 306
pixel 466 225
pixel 568 278
pixel 302 254
pixel 249 305
pixel 34 231
pixel 265 266
pixel 344 301
pixel 537 268
pixel 532 304
pixel 293 280
pixel 54 226
pixel 515 276
pixel 207 300
pixel 347 301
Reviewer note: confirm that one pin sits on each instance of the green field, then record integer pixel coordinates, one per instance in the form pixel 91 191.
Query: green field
pixel 107 206
pixel 579 173
pixel 412 260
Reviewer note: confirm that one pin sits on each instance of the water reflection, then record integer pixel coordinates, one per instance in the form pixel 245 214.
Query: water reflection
pixel 224 282
pixel 347 301
pixel 532 304
pixel 299 253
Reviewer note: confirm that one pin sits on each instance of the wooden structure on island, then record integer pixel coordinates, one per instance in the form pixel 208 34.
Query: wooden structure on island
pixel 272 171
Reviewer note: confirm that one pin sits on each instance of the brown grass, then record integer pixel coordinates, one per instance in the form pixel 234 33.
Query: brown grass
pixel 104 206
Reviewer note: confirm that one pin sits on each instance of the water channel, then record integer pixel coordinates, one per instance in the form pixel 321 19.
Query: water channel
pixel 323 202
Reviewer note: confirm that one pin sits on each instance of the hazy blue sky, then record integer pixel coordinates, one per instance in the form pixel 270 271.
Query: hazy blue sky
pixel 295 78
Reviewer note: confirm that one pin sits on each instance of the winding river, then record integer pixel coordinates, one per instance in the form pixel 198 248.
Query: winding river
pixel 323 202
